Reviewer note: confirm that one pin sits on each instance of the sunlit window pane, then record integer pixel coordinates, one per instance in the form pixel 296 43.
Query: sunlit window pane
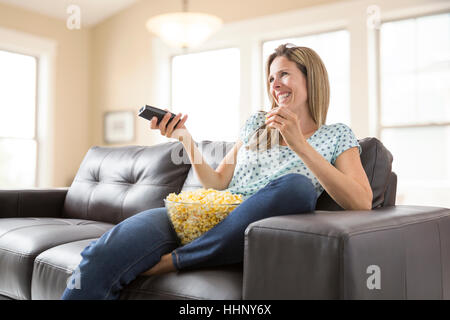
pixel 415 90
pixel 17 120
pixel 17 163
pixel 415 70
pixel 206 86
pixel 17 95
pixel 334 50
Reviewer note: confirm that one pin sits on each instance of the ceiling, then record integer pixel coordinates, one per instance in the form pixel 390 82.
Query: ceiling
pixel 92 11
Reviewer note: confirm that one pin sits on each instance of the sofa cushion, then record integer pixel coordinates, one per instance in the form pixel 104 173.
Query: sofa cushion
pixel 54 266
pixel 113 183
pixel 377 163
pixel 22 239
pixel 218 283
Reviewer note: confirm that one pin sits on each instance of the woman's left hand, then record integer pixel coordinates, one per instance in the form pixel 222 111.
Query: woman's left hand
pixel 288 124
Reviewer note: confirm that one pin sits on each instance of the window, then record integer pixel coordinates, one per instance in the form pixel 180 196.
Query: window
pixel 206 86
pixel 334 50
pixel 18 147
pixel 415 106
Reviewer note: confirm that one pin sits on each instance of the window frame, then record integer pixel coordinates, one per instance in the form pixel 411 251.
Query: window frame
pixel 36 124
pixel 350 16
pixel 377 75
pixel 380 126
pixel 45 51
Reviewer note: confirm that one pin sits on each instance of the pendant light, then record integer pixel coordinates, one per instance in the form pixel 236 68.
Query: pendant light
pixel 184 29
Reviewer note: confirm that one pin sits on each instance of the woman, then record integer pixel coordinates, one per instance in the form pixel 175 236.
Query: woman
pixel 290 157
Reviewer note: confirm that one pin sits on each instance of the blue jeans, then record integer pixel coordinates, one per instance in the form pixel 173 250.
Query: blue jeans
pixel 137 243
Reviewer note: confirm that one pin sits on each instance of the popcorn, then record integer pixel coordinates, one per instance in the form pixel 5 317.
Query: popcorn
pixel 194 212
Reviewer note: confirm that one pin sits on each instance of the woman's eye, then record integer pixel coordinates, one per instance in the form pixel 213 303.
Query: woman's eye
pixel 283 73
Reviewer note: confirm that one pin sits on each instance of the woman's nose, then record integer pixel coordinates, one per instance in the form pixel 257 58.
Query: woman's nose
pixel 276 83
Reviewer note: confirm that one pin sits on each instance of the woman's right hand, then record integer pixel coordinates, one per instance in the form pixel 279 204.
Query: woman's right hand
pixel 170 131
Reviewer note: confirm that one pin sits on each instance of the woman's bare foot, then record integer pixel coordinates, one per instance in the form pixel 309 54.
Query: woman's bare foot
pixel 163 266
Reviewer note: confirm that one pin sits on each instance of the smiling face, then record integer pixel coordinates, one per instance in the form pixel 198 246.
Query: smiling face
pixel 287 84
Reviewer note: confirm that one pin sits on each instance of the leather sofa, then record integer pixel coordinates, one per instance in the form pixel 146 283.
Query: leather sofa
pixel 390 252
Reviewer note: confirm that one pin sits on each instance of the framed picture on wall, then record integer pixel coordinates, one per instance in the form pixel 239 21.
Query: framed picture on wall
pixel 118 127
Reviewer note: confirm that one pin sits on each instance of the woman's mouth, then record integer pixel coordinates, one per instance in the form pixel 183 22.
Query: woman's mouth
pixel 282 98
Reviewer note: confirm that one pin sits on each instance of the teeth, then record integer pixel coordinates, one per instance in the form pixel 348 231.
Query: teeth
pixel 283 96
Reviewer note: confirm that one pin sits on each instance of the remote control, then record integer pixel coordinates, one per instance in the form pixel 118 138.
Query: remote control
pixel 148 112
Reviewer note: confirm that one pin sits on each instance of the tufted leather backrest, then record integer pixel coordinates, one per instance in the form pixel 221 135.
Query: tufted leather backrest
pixel 114 183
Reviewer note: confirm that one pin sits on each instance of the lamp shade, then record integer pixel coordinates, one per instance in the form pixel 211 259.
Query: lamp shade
pixel 184 29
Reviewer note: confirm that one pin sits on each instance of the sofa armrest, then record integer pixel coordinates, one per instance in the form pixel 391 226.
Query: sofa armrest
pixel 399 252
pixel 32 202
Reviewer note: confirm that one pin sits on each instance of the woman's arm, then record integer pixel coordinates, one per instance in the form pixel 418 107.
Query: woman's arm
pixel 228 164
pixel 346 182
pixel 218 179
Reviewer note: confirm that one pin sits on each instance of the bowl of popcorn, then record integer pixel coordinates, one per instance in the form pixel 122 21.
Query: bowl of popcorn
pixel 192 213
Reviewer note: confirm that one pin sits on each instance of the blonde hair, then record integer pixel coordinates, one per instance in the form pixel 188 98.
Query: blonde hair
pixel 317 85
